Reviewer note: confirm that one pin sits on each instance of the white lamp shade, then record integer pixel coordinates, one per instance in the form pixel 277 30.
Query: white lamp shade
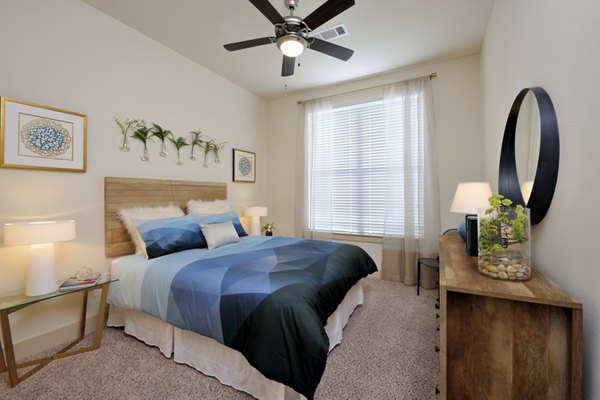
pixel 255 211
pixel 22 233
pixel 41 276
pixel 470 196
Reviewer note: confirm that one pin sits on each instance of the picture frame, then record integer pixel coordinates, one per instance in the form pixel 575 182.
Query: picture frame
pixel 244 166
pixel 33 136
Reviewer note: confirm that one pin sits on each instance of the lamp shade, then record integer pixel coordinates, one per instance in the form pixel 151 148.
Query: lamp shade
pixel 470 196
pixel 23 233
pixel 255 211
pixel 41 276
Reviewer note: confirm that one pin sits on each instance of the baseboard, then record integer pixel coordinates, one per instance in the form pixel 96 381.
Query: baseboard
pixel 50 339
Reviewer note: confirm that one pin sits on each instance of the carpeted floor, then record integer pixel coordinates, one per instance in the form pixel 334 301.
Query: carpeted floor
pixel 387 353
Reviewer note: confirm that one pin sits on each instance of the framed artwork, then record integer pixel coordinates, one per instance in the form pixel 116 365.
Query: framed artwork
pixel 244 166
pixel 33 136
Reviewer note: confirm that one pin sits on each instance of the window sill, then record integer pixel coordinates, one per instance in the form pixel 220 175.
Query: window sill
pixel 357 238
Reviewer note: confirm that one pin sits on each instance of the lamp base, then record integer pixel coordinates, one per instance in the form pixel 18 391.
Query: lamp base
pixel 462 231
pixel 255 227
pixel 41 276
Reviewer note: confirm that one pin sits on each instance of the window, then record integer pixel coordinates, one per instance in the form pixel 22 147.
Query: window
pixel 362 158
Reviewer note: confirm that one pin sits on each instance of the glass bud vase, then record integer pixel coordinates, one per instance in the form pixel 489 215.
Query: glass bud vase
pixel 163 149
pixel 124 144
pixel 144 156
pixel 504 240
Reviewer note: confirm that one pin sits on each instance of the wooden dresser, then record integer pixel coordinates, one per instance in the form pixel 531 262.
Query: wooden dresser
pixel 505 340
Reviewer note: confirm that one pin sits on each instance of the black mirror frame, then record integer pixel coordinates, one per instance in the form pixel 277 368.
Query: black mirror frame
pixel 546 173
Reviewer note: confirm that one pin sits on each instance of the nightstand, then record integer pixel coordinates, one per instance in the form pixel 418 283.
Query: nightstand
pixel 10 304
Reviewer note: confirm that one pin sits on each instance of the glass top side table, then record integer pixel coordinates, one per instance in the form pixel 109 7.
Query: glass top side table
pixel 12 303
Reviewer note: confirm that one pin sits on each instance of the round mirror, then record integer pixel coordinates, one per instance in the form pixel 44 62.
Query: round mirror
pixel 530 153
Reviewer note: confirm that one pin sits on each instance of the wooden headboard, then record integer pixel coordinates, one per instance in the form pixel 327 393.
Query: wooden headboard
pixel 131 192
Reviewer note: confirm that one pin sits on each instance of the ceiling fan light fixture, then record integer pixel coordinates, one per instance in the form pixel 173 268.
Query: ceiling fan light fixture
pixel 291 45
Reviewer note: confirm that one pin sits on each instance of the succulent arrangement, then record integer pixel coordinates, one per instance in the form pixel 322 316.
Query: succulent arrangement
pixel 269 228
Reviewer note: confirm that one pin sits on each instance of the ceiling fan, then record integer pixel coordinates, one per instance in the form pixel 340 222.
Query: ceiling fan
pixel 292 33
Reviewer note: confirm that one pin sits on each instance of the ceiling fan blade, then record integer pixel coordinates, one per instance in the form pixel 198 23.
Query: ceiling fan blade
pixel 249 43
pixel 287 67
pixel 265 7
pixel 327 11
pixel 330 49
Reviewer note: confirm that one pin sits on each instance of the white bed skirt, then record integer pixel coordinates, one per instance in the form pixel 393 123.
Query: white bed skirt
pixel 212 358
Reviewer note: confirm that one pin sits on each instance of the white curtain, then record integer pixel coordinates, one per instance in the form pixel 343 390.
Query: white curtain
pixel 317 118
pixel 412 198
pixel 412 220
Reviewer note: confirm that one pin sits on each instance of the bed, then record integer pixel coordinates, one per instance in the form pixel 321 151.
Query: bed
pixel 260 314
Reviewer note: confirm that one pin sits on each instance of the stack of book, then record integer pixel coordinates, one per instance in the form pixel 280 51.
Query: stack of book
pixel 74 283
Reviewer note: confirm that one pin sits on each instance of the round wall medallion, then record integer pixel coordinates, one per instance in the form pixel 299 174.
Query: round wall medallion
pixel 45 137
pixel 245 166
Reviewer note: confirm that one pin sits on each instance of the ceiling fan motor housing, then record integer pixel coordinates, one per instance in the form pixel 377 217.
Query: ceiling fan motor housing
pixel 291 4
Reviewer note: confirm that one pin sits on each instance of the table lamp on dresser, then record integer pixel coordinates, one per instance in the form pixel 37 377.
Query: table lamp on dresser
pixel 468 198
pixel 41 276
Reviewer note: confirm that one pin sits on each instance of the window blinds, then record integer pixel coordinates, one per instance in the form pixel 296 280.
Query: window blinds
pixel 350 158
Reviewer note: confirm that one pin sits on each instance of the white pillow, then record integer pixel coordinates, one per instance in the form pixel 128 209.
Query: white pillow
pixel 208 207
pixel 128 214
pixel 219 234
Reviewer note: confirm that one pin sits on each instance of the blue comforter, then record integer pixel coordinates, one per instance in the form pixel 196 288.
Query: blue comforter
pixel 268 298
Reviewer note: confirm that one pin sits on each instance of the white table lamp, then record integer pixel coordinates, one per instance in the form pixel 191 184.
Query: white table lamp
pixel 41 276
pixel 468 198
pixel 255 213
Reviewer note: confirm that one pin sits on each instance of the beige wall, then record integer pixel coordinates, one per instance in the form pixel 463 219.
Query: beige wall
pixel 67 54
pixel 456 93
pixel 554 44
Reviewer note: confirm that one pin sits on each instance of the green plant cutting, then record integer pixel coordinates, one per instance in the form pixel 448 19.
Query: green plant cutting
pixel 143 134
pixel 162 134
pixel 179 143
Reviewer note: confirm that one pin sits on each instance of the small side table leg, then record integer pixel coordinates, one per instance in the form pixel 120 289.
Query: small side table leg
pixel 2 363
pixel 101 311
pixel 83 315
pixel 8 345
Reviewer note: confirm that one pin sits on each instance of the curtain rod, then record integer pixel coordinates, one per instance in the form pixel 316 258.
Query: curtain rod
pixel 433 75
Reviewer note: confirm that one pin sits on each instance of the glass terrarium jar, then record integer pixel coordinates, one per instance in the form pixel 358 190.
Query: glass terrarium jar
pixel 504 243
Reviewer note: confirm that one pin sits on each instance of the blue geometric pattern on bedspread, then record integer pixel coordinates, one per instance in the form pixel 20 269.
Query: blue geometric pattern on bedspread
pixel 270 303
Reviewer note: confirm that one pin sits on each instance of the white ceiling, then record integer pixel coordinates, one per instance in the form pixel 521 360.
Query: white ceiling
pixel 384 34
